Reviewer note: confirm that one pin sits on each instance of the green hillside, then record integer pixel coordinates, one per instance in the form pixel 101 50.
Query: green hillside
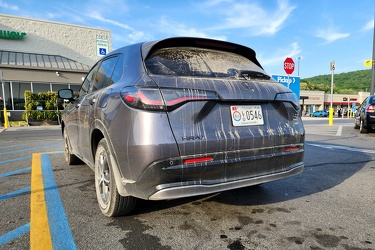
pixel 344 83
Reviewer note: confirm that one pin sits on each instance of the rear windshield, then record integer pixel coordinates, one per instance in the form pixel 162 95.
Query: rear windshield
pixel 197 62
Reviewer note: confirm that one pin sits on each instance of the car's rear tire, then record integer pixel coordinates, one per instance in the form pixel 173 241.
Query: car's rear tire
pixel 70 158
pixel 111 203
pixel 362 128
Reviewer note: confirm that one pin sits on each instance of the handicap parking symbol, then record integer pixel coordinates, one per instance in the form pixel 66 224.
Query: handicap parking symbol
pixel 103 51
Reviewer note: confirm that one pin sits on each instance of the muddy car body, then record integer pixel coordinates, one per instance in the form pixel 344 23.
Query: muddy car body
pixel 181 117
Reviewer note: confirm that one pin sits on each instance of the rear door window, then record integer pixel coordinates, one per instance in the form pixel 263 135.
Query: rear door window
pixel 87 83
pixel 103 76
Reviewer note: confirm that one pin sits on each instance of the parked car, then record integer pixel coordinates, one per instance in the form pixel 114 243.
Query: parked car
pixel 364 117
pixel 181 117
pixel 320 113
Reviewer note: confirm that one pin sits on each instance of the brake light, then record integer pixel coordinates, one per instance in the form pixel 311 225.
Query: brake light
pixel 163 99
pixel 198 160
pixel 287 149
pixel 370 108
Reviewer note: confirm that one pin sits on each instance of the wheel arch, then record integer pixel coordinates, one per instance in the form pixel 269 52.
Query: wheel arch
pixel 96 137
pixel 62 128
pixel 98 133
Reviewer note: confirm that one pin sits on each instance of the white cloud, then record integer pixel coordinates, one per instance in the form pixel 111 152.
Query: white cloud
pixel 172 28
pixel 330 35
pixel 210 3
pixel 8 6
pixel 279 56
pixel 130 38
pixel 97 16
pixel 369 25
pixel 251 16
pixel 133 37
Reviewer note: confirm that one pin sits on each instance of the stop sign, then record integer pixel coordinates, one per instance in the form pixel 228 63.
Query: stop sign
pixel 289 65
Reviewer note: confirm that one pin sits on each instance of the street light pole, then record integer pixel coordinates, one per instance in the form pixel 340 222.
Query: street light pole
pixel 298 63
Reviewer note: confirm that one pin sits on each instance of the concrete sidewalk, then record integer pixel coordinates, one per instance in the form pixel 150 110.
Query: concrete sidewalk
pixel 46 127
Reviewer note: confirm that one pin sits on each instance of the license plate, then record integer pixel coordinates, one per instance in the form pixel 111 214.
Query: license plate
pixel 246 115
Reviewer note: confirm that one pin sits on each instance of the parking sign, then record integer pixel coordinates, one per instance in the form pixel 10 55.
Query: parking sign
pixel 101 47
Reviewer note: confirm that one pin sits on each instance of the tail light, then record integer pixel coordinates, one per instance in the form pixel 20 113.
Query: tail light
pixel 163 99
pixel 198 160
pixel 288 149
pixel 370 108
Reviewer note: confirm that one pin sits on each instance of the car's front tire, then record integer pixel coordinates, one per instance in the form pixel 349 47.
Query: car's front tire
pixel 70 158
pixel 111 203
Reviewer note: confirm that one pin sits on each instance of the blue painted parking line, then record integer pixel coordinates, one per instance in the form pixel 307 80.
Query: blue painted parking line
pixel 45 189
pixel 15 193
pixel 12 145
pixel 28 149
pixel 15 172
pixel 14 234
pixel 61 234
pixel 15 159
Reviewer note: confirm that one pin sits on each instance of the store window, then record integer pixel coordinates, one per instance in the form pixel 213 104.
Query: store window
pixel 5 96
pixel 75 88
pixel 41 87
pixel 56 87
pixel 18 90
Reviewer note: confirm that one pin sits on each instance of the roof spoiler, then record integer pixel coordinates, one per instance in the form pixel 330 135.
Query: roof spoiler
pixel 149 48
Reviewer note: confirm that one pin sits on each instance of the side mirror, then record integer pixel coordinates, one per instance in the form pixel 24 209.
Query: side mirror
pixel 66 94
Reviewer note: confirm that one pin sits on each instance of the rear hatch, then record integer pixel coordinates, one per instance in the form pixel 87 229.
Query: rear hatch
pixel 219 99
pixel 245 115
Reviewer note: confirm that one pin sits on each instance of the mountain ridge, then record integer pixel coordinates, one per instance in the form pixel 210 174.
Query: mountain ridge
pixel 343 83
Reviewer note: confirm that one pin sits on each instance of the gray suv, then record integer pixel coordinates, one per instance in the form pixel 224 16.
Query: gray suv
pixel 180 117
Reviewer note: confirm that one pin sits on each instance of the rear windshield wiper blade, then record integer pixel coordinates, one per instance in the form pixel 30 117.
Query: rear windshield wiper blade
pixel 250 74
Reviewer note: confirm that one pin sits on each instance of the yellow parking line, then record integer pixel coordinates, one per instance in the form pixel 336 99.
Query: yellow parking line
pixel 40 236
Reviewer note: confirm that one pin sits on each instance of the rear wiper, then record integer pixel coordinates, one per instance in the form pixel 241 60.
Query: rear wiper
pixel 250 74
pixel 247 74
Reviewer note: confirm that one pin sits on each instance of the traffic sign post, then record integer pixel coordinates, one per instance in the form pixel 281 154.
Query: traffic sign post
pixel 289 67
pixel 332 67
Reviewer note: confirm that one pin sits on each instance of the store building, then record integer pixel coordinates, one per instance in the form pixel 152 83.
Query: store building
pixel 311 101
pixel 43 56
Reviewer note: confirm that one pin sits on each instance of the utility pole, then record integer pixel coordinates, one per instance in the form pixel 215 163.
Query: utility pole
pixel 332 68
pixel 6 124
pixel 373 63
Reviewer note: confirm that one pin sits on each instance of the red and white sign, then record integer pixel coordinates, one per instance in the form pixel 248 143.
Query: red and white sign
pixel 289 65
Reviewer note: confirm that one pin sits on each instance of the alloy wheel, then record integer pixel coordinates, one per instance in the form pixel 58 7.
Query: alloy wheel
pixel 104 180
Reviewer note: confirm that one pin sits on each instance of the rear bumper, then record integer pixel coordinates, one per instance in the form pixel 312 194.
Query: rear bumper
pixel 370 120
pixel 164 192
pixel 171 178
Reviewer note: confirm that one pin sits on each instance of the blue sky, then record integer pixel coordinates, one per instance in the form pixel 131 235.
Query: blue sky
pixel 319 31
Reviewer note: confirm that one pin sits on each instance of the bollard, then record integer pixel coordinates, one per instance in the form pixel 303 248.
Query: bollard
pixel 330 120
pixel 6 123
